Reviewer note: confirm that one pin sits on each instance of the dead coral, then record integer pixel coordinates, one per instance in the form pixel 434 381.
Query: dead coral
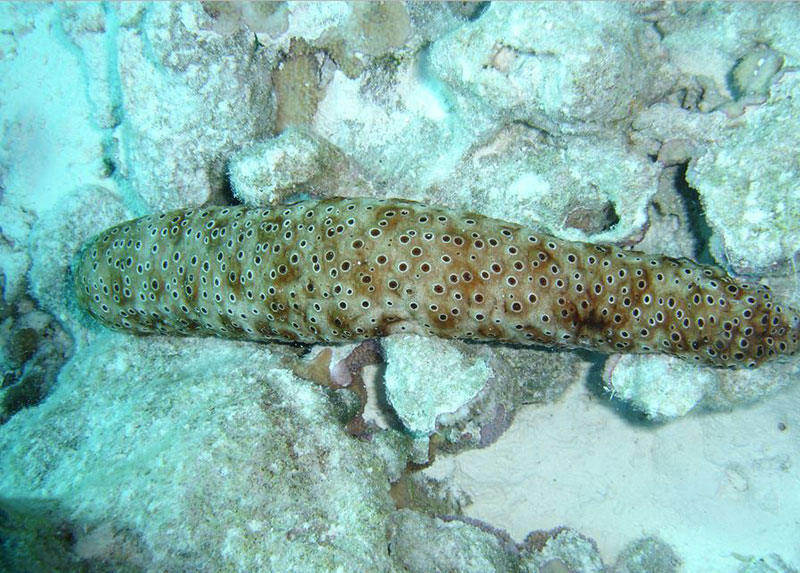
pixel 261 17
pixel 374 29
pixel 294 162
pixel 34 348
pixel 414 490
pixel 648 554
pixel 520 376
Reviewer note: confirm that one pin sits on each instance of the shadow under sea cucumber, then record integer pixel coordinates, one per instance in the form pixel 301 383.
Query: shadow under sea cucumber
pixel 337 269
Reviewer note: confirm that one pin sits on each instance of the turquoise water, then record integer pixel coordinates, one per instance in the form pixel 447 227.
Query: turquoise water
pixel 668 128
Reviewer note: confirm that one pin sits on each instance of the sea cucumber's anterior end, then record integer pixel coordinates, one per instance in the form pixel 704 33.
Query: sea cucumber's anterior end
pixel 783 338
pixel 793 336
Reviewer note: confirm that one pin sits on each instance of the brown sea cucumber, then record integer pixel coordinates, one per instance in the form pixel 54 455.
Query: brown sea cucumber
pixel 336 270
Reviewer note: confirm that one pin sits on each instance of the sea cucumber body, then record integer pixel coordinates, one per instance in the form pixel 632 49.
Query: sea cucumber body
pixel 336 270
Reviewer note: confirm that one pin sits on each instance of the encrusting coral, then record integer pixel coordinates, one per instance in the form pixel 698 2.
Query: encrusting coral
pixel 337 270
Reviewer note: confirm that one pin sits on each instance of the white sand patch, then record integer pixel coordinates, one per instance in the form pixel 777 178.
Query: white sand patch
pixel 717 487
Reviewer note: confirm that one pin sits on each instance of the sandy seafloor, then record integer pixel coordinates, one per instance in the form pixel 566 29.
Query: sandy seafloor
pixel 668 127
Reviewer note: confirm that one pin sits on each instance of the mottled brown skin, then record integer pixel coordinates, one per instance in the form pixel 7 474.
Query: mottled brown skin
pixel 338 270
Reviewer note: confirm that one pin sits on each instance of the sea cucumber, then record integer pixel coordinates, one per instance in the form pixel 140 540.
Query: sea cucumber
pixel 337 269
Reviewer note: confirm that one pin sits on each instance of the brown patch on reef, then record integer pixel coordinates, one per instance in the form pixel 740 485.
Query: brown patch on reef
pixel 348 373
pixel 537 540
pixel 296 81
pixel 317 370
